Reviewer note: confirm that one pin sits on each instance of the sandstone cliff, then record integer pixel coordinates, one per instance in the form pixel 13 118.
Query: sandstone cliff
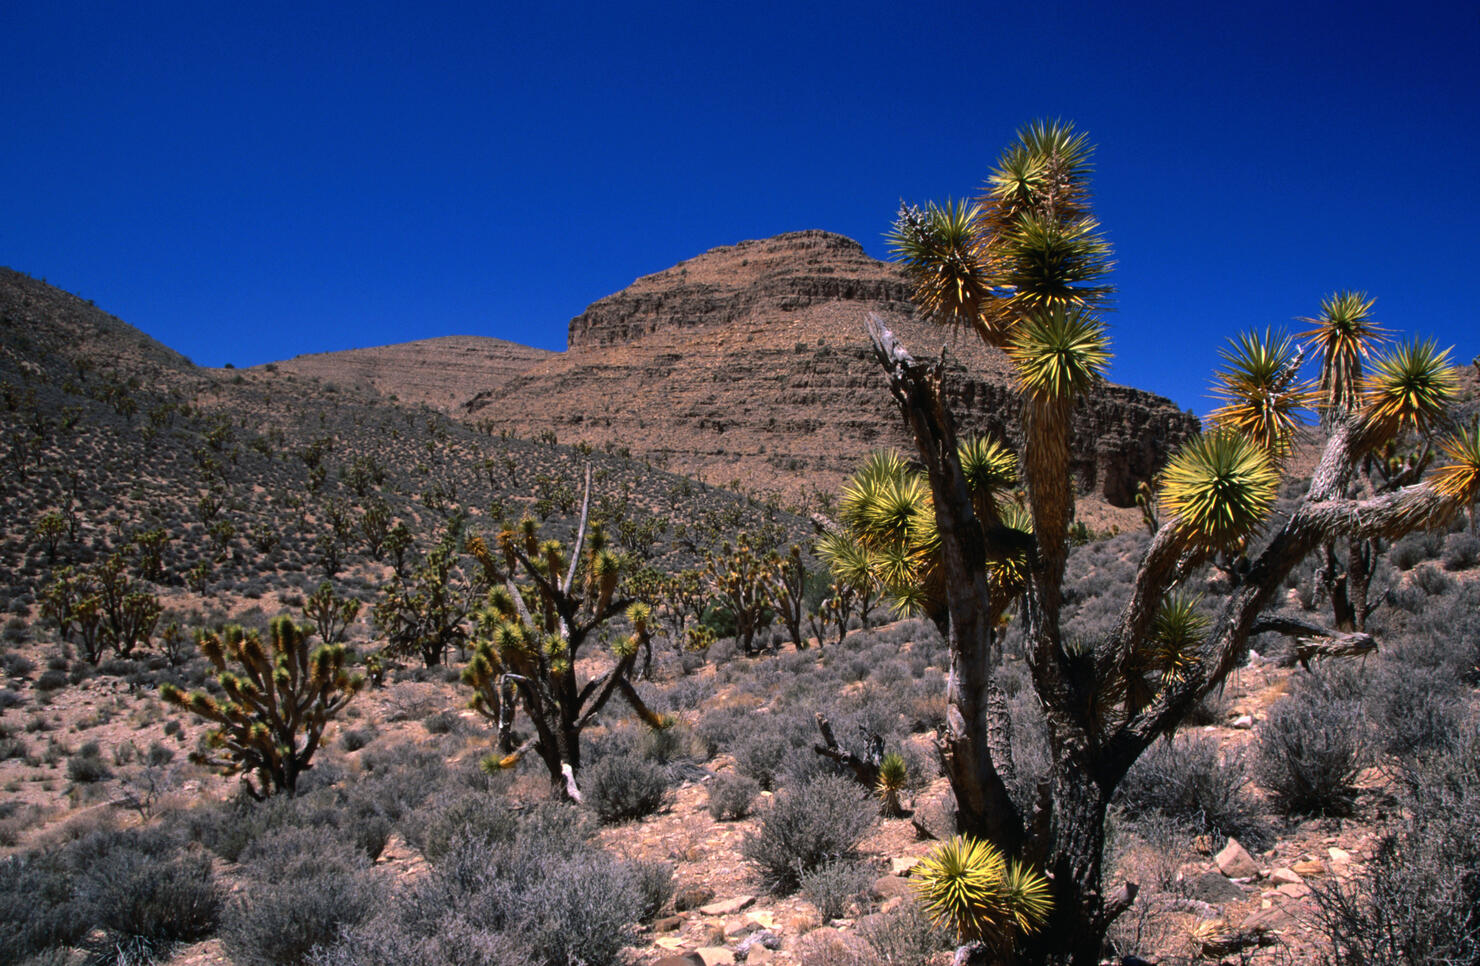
pixel 750 363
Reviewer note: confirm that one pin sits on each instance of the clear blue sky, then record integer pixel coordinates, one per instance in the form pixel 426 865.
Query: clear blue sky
pixel 250 181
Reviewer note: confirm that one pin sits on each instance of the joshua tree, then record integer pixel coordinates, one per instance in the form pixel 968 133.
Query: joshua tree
pixel 278 699
pixel 1025 268
pixel 736 576
pixel 547 602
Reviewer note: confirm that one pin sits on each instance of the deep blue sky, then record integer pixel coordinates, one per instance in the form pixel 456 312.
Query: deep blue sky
pixel 246 182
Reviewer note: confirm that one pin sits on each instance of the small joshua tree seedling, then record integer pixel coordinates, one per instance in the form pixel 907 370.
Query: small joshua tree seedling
pixel 279 698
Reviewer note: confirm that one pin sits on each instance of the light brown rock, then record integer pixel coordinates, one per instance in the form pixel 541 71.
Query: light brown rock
pixel 1235 862
pixel 1283 876
pixel 727 907
pixel 715 955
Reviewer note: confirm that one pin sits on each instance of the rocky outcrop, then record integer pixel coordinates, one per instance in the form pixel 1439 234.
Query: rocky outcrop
pixel 750 364
pixel 753 280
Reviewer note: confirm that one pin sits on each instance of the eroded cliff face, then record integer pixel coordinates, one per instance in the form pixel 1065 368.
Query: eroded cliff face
pixel 751 363
pixel 754 280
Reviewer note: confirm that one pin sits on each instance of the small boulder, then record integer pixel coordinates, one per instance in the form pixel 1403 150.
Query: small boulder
pixel 889 886
pixel 715 955
pixel 1213 888
pixel 1235 862
pixel 692 897
pixel 727 907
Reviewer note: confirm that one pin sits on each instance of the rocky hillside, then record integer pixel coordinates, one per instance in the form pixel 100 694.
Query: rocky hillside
pixel 750 363
pixel 434 372
pixel 753 281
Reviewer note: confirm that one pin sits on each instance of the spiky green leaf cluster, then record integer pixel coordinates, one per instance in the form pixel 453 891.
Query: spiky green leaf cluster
pixel 1408 388
pixel 969 886
pixel 1219 487
pixel 1459 478
pixel 937 245
pixel 1059 354
pixel 1344 335
pixel 1261 390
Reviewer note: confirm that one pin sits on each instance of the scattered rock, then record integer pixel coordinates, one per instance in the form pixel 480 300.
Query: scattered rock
pixel 763 939
pixel 727 907
pixel 905 865
pixel 715 955
pixel 1242 722
pixel 1214 888
pixel 668 924
pixel 1294 890
pixel 736 928
pixel 890 886
pixel 688 959
pixel 1283 876
pixel 1235 862
pixel 1308 868
pixel 759 954
pixel 692 897
pixel 1340 859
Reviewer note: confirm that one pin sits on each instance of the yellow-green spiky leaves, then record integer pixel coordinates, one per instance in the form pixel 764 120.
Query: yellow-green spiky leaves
pixel 1459 478
pixel 1177 632
pixel 1409 388
pixel 1344 335
pixel 989 466
pixel 892 780
pixel 938 246
pixel 969 886
pixel 1261 390
pixel 1059 354
pixel 1219 487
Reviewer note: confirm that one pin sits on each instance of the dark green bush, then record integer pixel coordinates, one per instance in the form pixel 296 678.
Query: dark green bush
pixel 85 768
pixel 39 909
pixel 834 886
pixel 1311 748
pixel 1189 782
pixel 302 888
pixel 730 796
pixel 819 822
pixel 622 788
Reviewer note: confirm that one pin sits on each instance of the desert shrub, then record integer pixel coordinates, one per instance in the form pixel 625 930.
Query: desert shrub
pixel 653 882
pixel 564 900
pixel 51 680
pixel 730 796
pixel 821 821
pixel 87 766
pixel 1413 709
pixel 12 746
pixel 301 889
pixel 38 906
pixel 1432 581
pixel 1413 549
pixel 458 817
pixel 1189 782
pixel 834 886
pixel 146 902
pixel 904 936
pixel 16 665
pixel 442 722
pixel 454 941
pixel 1461 551
pixel 356 738
pixel 1311 748
pixel 624 787
pixel 1418 898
